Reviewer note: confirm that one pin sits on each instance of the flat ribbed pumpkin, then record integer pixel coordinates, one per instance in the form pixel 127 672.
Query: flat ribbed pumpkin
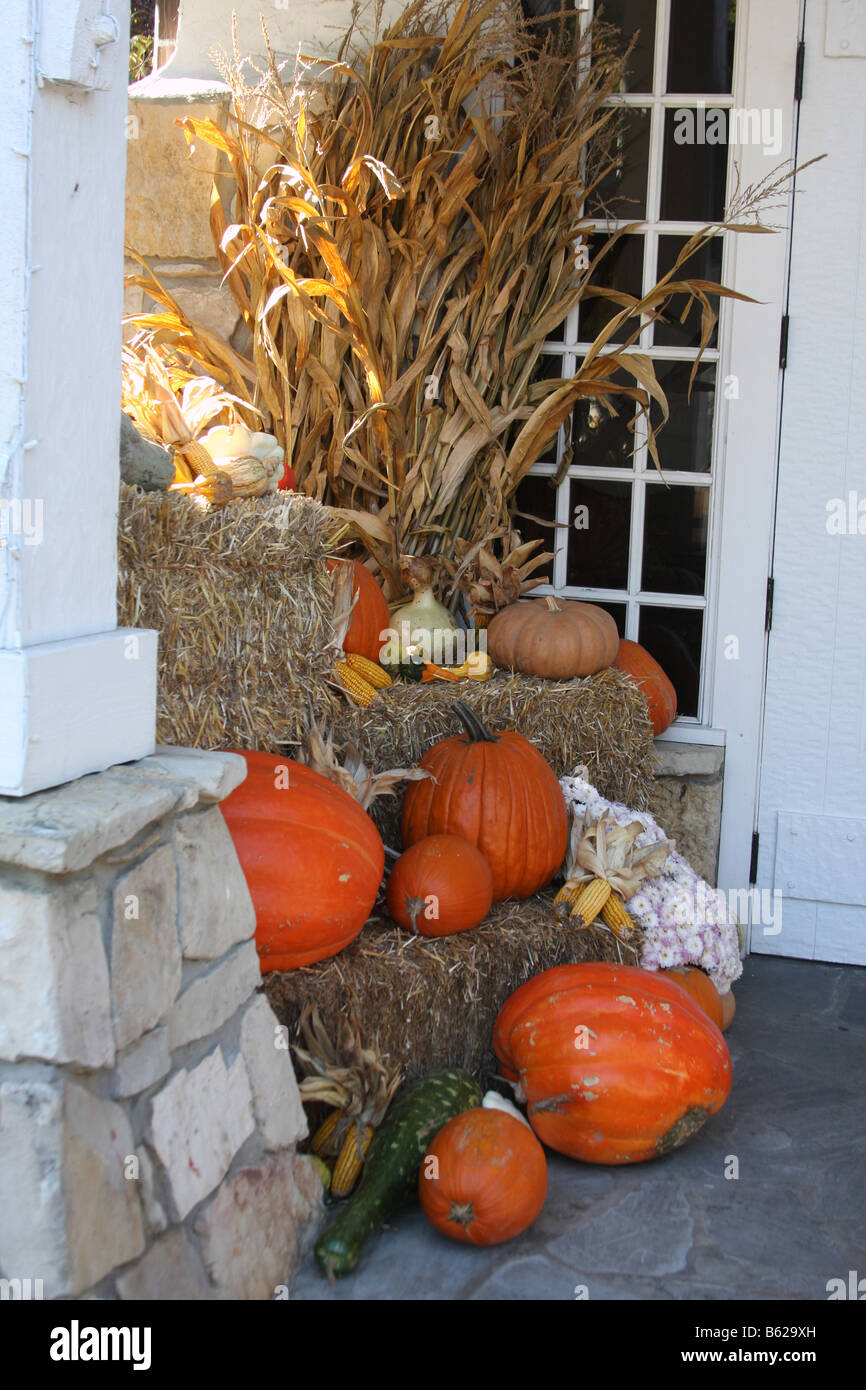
pixel 370 615
pixel 635 661
pixel 497 792
pixel 617 1064
pixel 312 858
pixel 483 1179
pixel 557 638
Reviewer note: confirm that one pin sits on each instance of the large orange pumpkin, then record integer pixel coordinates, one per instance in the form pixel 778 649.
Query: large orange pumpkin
pixel 559 638
pixel 370 615
pixel 440 885
pixel 484 1178
pixel 719 1007
pixel 498 792
pixel 617 1064
pixel 312 858
pixel 661 698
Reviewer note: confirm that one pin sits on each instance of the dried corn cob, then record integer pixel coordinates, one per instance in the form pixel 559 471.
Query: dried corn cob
pixel 196 458
pixel 563 903
pixel 320 1140
pixel 355 686
pixel 370 671
pixel 590 901
pixel 323 1171
pixel 348 1166
pixel 615 916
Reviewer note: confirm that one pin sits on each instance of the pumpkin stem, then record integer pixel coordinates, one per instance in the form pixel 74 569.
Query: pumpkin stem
pixel 472 724
pixel 552 603
pixel 462 1213
pixel 413 908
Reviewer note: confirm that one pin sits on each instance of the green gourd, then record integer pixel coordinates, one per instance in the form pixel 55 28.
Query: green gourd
pixel 390 1177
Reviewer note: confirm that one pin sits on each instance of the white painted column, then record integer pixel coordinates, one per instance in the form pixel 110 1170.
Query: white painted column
pixel 76 693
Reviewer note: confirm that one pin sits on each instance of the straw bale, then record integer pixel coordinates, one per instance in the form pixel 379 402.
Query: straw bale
pixel 242 603
pixel 600 721
pixel 430 1003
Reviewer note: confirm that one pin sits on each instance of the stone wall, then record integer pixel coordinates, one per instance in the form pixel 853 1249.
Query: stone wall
pixel 148 1106
pixel 686 799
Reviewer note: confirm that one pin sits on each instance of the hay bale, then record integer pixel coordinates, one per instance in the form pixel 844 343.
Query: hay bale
pixel 431 1003
pixel 600 721
pixel 242 603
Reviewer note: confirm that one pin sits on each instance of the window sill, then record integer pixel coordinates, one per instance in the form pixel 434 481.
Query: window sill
pixel 676 758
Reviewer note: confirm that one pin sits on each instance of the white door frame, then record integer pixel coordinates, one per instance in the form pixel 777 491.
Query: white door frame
pixel 764 79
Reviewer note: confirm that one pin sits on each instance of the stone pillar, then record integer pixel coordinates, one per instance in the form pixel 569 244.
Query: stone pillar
pixel 76 694
pixel 148 1105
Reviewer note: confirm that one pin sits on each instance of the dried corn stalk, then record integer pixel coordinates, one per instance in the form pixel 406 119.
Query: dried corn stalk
pixel 400 238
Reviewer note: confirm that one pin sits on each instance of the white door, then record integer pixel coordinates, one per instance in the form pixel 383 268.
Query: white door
pixel 812 818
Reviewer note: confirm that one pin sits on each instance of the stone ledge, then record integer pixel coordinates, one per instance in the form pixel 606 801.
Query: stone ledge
pixel 688 759
pixel 66 828
pixel 157 87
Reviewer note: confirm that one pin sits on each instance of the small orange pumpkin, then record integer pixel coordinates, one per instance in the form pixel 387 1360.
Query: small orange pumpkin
pixel 719 1007
pixel 484 1178
pixel 440 885
pixel 636 662
pixel 370 615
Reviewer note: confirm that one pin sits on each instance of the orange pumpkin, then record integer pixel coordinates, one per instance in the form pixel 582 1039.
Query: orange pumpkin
pixel 439 886
pixel 719 1007
pixel 370 615
pixel 484 1178
pixel 498 792
pixel 617 1064
pixel 644 670
pixel 312 858
pixel 559 638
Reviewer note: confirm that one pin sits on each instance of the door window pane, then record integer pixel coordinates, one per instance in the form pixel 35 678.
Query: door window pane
pixel 549 365
pixel 673 636
pixel 675 539
pixel 617 611
pixel 635 19
pixel 694 165
pixel 598 534
pixel 621 268
pixel 599 440
pixel 701 47
pixel 535 511
pixel 706 264
pixel 685 444
pixel 622 192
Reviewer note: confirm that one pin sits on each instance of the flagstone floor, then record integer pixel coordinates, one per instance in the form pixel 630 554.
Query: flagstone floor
pixel 678 1228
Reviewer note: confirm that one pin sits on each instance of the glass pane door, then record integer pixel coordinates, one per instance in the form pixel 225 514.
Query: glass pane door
pixel 637 543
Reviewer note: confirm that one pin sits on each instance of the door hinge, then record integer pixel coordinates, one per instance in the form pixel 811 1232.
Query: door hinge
pixel 800 70
pixel 753 865
pixel 768 611
pixel 783 341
